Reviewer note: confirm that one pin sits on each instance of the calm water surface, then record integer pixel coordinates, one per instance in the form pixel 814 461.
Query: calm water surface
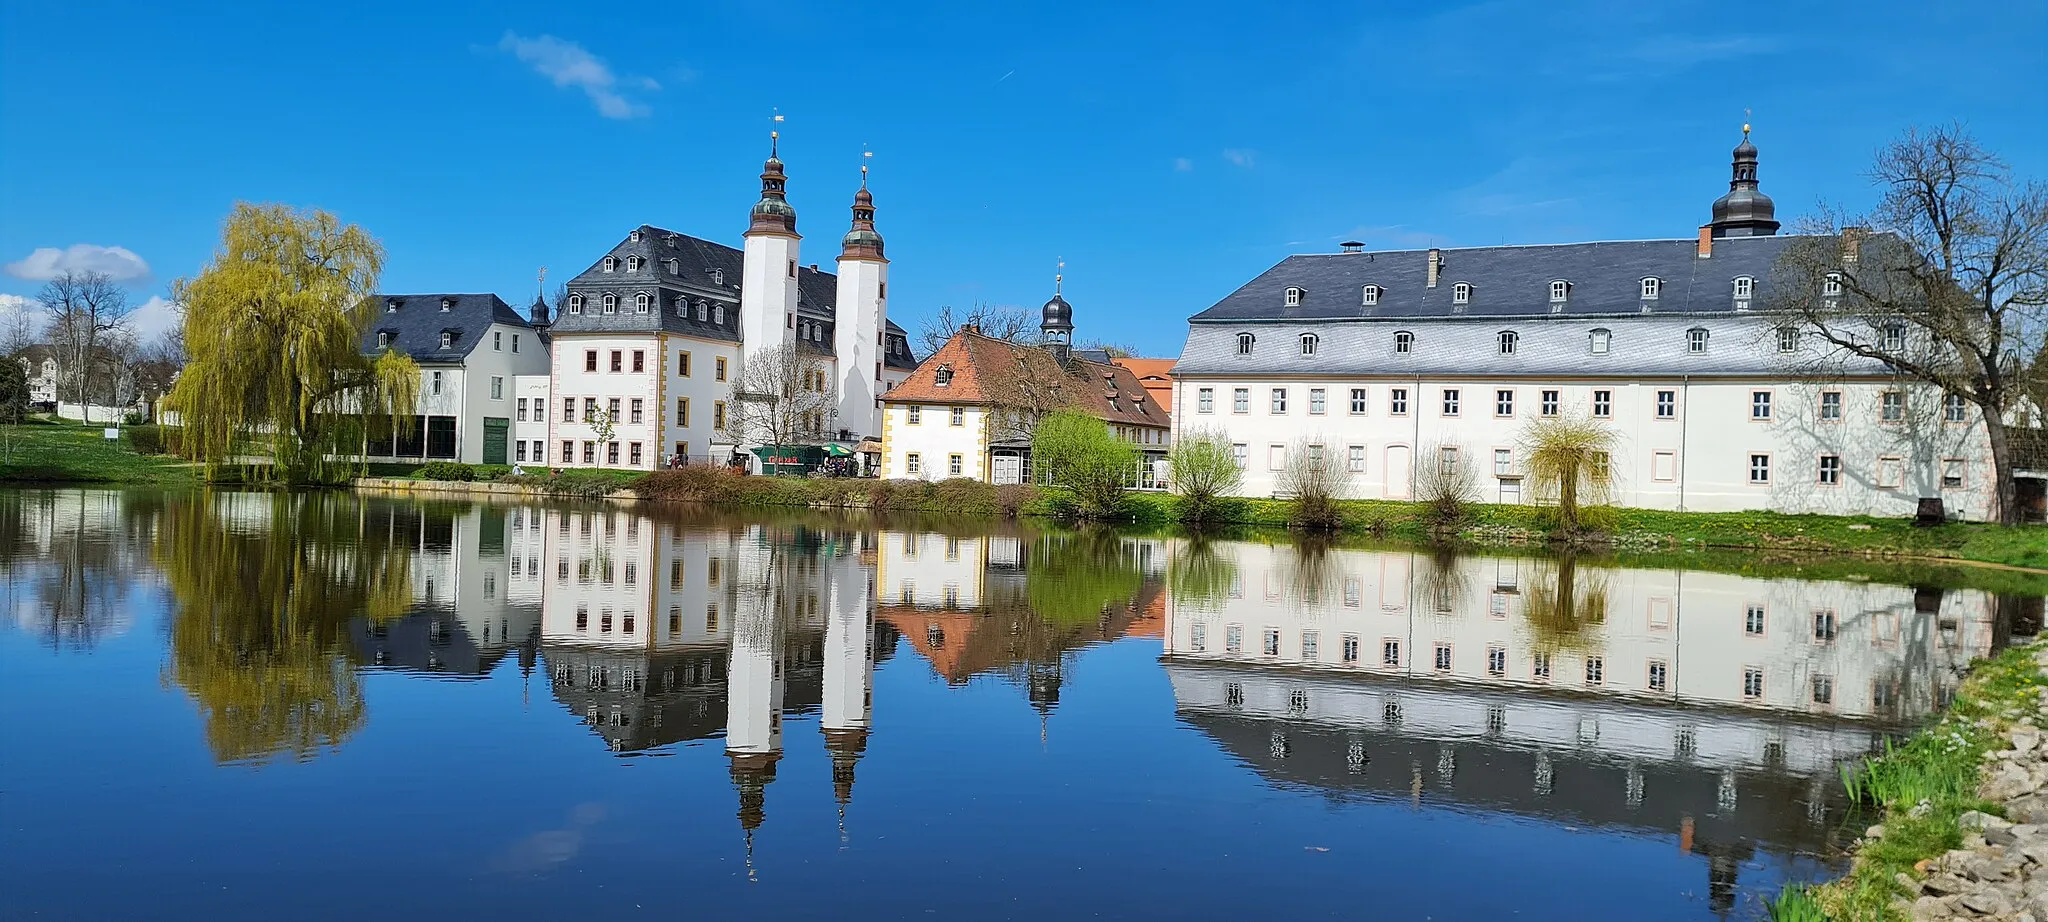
pixel 264 706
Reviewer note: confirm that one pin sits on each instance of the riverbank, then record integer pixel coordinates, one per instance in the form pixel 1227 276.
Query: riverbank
pixel 48 452
pixel 1964 831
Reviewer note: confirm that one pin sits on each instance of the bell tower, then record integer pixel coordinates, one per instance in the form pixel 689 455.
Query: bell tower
pixel 768 283
pixel 860 314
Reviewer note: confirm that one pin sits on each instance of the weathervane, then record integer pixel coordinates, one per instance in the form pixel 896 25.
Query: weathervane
pixel 1059 276
pixel 774 135
pixel 1745 124
pixel 865 154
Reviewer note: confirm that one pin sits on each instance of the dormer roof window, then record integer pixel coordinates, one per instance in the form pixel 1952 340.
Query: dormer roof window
pixel 575 304
pixel 447 339
pixel 1245 341
pixel 634 236
pixel 640 302
pixel 1598 341
pixel 447 304
pixel 1404 342
pixel 610 263
pixel 718 276
pixel 944 376
pixel 718 315
pixel 1461 293
pixel 675 266
pixel 1369 295
pixel 383 339
pixel 1652 287
pixel 1509 340
pixel 1696 340
pixel 1309 342
pixel 703 311
pixel 632 264
pixel 1745 288
pixel 1293 298
pixel 390 305
pixel 1560 291
pixel 611 304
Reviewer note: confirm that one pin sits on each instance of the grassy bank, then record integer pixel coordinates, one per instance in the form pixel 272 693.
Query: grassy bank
pixel 1939 766
pixel 960 496
pixel 70 453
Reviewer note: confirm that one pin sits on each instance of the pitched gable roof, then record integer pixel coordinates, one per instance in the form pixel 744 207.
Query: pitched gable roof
pixel 986 370
pixel 415 323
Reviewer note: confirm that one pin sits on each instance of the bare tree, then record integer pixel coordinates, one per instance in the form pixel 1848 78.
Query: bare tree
pixel 781 397
pixel 1445 482
pixel 17 326
pixel 1315 482
pixel 83 307
pixel 1951 290
pixel 1007 322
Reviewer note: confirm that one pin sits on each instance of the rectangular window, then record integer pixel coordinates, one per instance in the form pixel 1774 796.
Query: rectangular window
pixel 568 409
pixel 497 388
pixel 683 364
pixel 1753 621
pixel 515 343
pixel 1443 657
pixel 958 417
pixel 1824 625
pixel 1503 462
pixel 1318 401
pixel 611 452
pixel 1759 404
pixel 1205 400
pixel 1664 466
pixel 589 452
pixel 683 411
pixel 1660 675
pixel 1241 400
pixel 1240 452
pixel 568 453
pixel 1596 669
pixel 1311 646
pixel 1830 406
pixel 1752 682
pixel 1539 666
pixel 1357 459
pixel 1450 401
pixel 953 465
pixel 1952 473
pixel 1358 401
pixel 590 360
pixel 1496 661
pixel 913 463
pixel 639 361
pixel 1390 652
pixel 633 458
pixel 1759 468
pixel 1233 638
pixel 540 452
pixel 1603 404
pixel 1891 473
pixel 518 454
pixel 1279 400
pixel 589 408
pixel 1893 407
pixel 1350 649
pixel 1272 642
pixel 611 408
pixel 437 383
pixel 1954 408
pixel 1503 403
pixel 1198 637
pixel 521 415
pixel 1830 470
pixel 718 414
pixel 637 413
pixel 1276 457
pixel 618 360
pixel 1667 404
pixel 1823 689
pixel 1549 403
pixel 718 368
pixel 1397 401
pixel 914 415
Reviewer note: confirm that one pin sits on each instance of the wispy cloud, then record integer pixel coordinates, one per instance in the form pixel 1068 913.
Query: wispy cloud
pixel 45 263
pixel 569 65
pixel 1238 156
pixel 1183 165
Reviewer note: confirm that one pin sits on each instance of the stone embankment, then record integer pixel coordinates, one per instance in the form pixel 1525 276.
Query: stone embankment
pixel 2001 870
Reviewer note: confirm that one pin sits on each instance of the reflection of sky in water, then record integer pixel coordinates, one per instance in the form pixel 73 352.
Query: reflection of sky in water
pixel 1015 768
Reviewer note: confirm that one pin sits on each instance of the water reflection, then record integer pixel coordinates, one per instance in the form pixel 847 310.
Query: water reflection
pixel 1706 707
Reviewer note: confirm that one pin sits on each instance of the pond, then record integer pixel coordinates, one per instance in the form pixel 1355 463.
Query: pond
pixel 325 706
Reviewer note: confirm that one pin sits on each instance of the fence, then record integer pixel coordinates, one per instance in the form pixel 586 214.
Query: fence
pixel 1151 475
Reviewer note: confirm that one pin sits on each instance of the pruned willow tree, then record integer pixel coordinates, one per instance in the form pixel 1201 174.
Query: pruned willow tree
pixel 1569 461
pixel 274 327
pixel 1945 282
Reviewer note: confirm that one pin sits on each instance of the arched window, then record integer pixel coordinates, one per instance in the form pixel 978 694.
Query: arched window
pixel 675 266
pixel 640 302
pixel 1293 297
pixel 1370 295
pixel 575 304
pixel 1598 341
pixel 1509 339
pixel 718 276
pixel 1308 344
pixel 703 311
pixel 1652 287
pixel 1404 342
pixel 610 263
pixel 718 315
pixel 1244 343
pixel 1832 285
pixel 1461 293
pixel 632 264
pixel 1560 290
pixel 1696 340
pixel 611 304
pixel 1744 286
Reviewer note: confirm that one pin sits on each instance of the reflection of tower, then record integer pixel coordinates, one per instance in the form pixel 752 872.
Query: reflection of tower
pixel 849 673
pixel 753 720
pixel 1042 684
pixel 1721 872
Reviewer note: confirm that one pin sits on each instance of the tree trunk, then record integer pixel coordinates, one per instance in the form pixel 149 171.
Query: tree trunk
pixel 1568 500
pixel 2006 510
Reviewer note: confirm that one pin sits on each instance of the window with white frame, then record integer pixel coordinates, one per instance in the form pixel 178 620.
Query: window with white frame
pixel 1954 408
pixel 1651 288
pixel 611 304
pixel 1272 642
pixel 1660 675
pixel 1745 288
pixel 1830 406
pixel 1241 400
pixel 575 304
pixel 640 302
pixel 1503 462
pixel 1831 287
pixel 1308 343
pixel 1759 404
pixel 632 264
pixel 1548 404
pixel 1245 342
pixel 1461 293
pixel 1667 404
pixel 1442 660
pixel 1696 340
pixel 1788 339
pixel 1596 670
pixel 1241 453
pixel 1205 400
pixel 610 263
pixel 1496 661
pixel 1369 295
pixel 1404 342
pixel 1603 404
pixel 675 266
pixel 1753 621
pixel 1198 636
pixel 1952 473
pixel 1356 459
pixel 1350 648
pixel 1752 682
pixel 1397 401
pixel 1318 401
pixel 1830 470
pixel 1293 297
pixel 1509 339
pixel 1279 401
pixel 1892 407
pixel 1560 290
pixel 1892 336
pixel 1759 468
pixel 1450 401
pixel 1276 457
pixel 1503 403
pixel 1447 459
pixel 1597 341
pixel 1823 689
pixel 1390 652
pixel 1358 401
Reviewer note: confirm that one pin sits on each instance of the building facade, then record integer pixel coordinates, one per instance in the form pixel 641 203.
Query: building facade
pixel 1395 360
pixel 470 348
pixel 653 335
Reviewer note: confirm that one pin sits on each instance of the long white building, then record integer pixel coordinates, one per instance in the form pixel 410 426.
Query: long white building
pixel 1395 360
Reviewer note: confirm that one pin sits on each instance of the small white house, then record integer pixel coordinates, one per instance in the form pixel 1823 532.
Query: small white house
pixel 470 348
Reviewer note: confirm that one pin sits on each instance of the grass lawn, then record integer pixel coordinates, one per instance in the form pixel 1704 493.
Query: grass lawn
pixel 56 453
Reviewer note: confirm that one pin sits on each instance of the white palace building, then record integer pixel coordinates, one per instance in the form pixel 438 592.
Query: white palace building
pixel 1383 357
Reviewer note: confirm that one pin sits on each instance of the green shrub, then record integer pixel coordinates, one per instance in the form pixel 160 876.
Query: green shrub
pixel 146 440
pixel 445 470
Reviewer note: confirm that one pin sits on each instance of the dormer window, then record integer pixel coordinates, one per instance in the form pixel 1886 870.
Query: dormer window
pixel 390 305
pixel 718 276
pixel 1893 337
pixel 1560 291
pixel 1652 287
pixel 634 236
pixel 1598 341
pixel 575 304
pixel 1308 344
pixel 675 266
pixel 1369 295
pixel 611 304
pixel 640 302
pixel 1404 342
pixel 1461 293
pixel 944 376
pixel 718 315
pixel 447 339
pixel 1788 339
pixel 383 339
pixel 703 311
pixel 1509 339
pixel 1244 343
pixel 632 264
pixel 1745 287
pixel 1696 340
pixel 610 263
pixel 1831 288
pixel 447 304
pixel 1294 297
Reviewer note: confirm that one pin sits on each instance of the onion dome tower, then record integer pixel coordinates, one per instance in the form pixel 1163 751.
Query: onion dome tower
pixel 1056 321
pixel 773 214
pixel 1744 211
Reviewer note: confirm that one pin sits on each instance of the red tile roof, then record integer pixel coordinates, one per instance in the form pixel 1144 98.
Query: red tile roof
pixel 986 370
pixel 1156 375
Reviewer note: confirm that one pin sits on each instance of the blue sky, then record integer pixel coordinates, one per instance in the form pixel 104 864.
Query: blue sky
pixel 1168 152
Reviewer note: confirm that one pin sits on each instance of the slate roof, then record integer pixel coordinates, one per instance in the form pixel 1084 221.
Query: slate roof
pixel 704 271
pixel 417 321
pixel 1507 281
pixel 984 368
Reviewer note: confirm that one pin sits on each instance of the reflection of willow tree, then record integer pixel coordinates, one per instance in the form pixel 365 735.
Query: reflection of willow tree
pixel 1439 581
pixel 1563 605
pixel 1074 578
pixel 261 616
pixel 76 585
pixel 1200 574
pixel 1308 569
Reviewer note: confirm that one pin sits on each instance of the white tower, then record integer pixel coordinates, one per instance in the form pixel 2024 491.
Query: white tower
pixel 768 285
pixel 849 670
pixel 754 686
pixel 861 313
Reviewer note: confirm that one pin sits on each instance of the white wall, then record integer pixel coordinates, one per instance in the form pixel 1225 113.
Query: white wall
pixel 934 439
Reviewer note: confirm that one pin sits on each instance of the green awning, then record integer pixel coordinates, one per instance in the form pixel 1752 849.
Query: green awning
pixel 838 451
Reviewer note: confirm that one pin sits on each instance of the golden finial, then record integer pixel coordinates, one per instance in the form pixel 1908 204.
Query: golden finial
pixel 864 155
pixel 1745 124
pixel 1059 276
pixel 774 136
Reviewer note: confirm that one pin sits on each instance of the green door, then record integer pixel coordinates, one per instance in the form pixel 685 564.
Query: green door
pixel 494 440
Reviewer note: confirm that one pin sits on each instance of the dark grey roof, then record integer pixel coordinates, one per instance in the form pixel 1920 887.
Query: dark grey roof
pixel 704 271
pixel 416 323
pixel 1507 281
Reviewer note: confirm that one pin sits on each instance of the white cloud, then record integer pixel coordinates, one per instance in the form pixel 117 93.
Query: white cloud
pixel 45 263
pixel 1240 157
pixel 1183 165
pixel 152 317
pixel 570 65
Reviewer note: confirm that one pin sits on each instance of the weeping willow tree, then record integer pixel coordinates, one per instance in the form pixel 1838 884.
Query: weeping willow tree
pixel 274 328
pixel 1200 574
pixel 1569 462
pixel 263 588
pixel 1564 604
pixel 1075 578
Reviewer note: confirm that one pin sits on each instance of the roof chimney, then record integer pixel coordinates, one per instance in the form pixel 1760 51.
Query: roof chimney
pixel 1706 250
pixel 1852 243
pixel 1436 265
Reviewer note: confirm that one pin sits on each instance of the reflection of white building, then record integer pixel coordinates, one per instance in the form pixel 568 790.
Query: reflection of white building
pixel 473 600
